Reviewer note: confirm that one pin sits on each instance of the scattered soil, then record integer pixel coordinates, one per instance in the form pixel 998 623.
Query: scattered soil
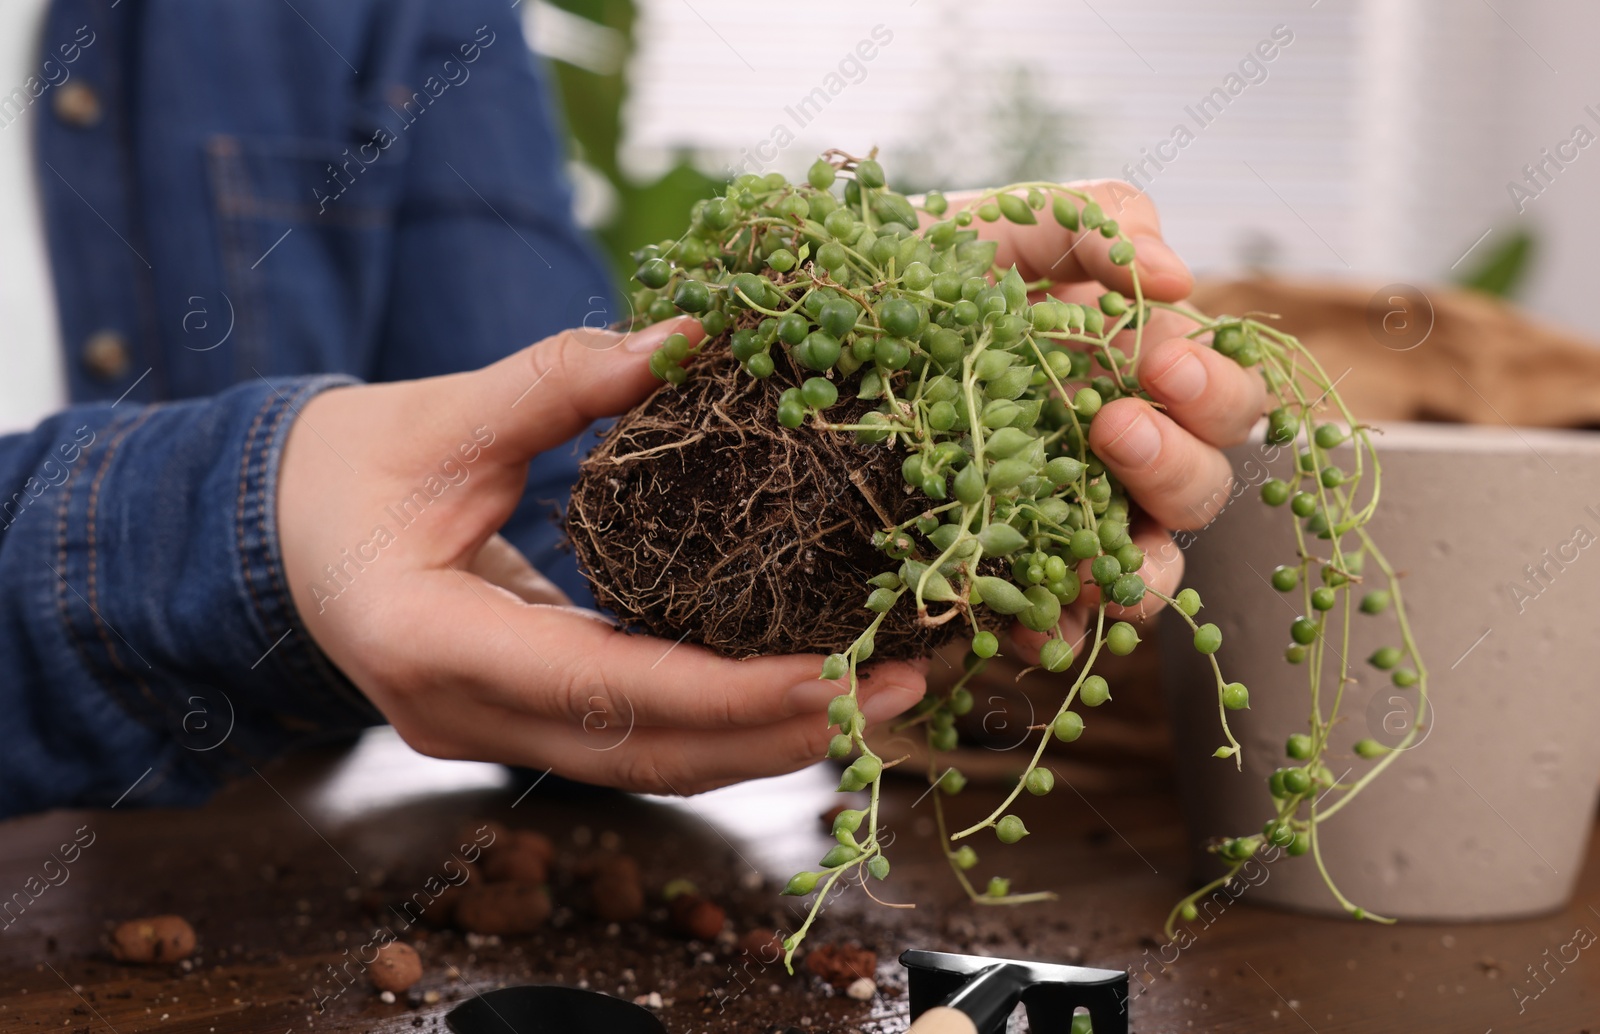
pixel 279 919
pixel 699 515
pixel 153 939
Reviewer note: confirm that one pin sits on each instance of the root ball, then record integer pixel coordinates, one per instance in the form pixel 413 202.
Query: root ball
pixel 700 515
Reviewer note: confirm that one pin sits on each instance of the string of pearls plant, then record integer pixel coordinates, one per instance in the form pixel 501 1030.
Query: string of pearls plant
pixel 986 387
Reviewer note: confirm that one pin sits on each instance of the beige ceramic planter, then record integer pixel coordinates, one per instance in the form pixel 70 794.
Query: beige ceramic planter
pixel 1488 816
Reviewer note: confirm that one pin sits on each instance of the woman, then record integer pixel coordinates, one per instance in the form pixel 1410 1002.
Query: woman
pixel 247 208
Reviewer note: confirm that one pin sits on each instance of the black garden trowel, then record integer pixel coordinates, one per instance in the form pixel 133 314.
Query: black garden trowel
pixel 950 994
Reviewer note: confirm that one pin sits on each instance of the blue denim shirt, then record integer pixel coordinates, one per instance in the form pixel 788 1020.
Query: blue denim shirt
pixel 250 202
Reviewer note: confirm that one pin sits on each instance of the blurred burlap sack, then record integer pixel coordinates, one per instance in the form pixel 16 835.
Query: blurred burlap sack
pixel 1439 354
pixel 1398 353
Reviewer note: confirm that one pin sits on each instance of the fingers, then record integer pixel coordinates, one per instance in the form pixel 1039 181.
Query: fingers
pixel 1163 323
pixel 1162 572
pixel 622 755
pixel 1072 626
pixel 560 664
pixel 549 392
pixel 1050 251
pixel 1210 395
pixel 500 563
pixel 1173 476
pixel 682 763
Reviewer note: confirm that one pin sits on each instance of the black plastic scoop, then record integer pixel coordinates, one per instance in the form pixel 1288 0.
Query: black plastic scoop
pixel 959 994
pixel 950 994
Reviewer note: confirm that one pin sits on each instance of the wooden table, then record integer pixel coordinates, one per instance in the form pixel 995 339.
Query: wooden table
pixel 286 870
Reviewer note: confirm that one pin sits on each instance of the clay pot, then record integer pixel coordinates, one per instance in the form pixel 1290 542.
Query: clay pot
pixel 1488 814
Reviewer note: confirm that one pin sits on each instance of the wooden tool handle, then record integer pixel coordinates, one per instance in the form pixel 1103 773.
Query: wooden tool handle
pixel 940 1020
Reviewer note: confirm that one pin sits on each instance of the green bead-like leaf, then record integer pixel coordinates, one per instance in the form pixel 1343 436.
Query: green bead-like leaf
pixel 1011 384
pixel 1044 609
pixel 937 588
pixel 1013 287
pixel 848 821
pixel 1009 474
pixel 1055 655
pixel 1063 470
pixel 1001 596
pixel 839 854
pixel 969 485
pixel 866 768
pixel 1016 209
pixel 1065 209
pixel 1001 540
pixel 881 600
pixel 1010 829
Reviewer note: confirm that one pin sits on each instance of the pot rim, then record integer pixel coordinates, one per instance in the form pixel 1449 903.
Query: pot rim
pixel 1414 436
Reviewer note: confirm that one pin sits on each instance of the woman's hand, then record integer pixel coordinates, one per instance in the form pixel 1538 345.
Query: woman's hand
pixel 389 499
pixel 1169 458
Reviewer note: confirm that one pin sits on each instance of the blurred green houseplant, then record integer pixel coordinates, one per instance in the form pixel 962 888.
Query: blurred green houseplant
pixel 591 101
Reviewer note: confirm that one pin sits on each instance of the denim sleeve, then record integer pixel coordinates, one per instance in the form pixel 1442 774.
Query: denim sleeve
pixel 149 647
pixel 488 256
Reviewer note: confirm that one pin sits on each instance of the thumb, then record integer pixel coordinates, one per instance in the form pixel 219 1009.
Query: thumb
pixel 549 392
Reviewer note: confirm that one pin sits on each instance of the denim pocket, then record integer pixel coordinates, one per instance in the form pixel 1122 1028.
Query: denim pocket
pixel 306 234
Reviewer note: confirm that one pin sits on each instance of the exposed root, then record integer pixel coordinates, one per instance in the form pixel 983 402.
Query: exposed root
pixel 699 513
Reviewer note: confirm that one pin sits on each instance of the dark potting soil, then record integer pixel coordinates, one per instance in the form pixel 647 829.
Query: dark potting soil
pixel 700 516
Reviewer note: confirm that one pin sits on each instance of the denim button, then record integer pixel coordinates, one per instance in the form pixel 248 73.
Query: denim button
pixel 105 355
pixel 77 105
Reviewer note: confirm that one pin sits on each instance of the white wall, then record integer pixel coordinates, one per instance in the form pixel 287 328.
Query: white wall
pixel 1379 145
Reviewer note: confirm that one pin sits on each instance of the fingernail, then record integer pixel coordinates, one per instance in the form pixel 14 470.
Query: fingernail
pixel 648 339
pixel 1138 444
pixel 889 701
pixel 1154 255
pixel 1183 381
pixel 812 696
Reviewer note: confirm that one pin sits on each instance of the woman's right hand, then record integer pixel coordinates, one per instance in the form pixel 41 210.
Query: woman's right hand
pixel 389 500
